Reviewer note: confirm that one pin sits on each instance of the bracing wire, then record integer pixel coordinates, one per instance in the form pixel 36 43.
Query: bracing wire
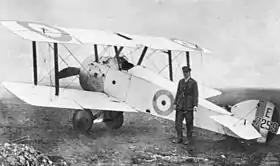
pixel 49 65
pixel 62 60
pixel 44 62
pixel 168 64
pixel 147 56
pixel 71 54
pixel 178 66
pixel 131 52
pixel 243 117
pixel 52 69
pixel 202 71
pixel 50 77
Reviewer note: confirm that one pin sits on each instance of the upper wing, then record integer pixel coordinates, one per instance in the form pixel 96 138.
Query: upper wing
pixel 162 43
pixel 45 33
pixel 68 98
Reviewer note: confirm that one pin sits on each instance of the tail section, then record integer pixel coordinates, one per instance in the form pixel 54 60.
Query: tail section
pixel 238 127
pixel 263 115
pixel 263 120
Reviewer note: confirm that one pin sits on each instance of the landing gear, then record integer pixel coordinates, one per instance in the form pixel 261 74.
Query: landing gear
pixel 113 119
pixel 82 120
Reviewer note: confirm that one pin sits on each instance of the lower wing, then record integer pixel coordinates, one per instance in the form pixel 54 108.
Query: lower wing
pixel 43 96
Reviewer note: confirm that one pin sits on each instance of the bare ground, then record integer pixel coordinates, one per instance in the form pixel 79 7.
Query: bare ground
pixel 142 140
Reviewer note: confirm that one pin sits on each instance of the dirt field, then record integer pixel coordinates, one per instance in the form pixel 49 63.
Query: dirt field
pixel 143 140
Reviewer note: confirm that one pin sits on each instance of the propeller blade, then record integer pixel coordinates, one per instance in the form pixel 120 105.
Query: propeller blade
pixel 68 72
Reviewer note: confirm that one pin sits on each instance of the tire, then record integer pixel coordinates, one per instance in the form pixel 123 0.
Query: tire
pixel 82 120
pixel 115 121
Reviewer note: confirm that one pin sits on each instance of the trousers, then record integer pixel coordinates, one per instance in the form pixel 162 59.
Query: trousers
pixel 180 117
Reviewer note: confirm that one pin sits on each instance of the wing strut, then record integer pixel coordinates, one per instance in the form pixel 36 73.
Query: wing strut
pixel 142 55
pixel 188 58
pixel 56 69
pixel 96 52
pixel 118 52
pixel 170 64
pixel 35 73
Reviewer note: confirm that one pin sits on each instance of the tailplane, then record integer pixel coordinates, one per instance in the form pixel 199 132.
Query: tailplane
pixel 239 127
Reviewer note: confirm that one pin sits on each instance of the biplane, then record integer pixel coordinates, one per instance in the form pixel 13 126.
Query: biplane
pixel 112 85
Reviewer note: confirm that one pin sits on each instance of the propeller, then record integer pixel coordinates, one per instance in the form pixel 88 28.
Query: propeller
pixel 68 72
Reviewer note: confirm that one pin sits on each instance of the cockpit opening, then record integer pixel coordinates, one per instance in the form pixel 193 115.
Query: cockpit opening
pixel 124 63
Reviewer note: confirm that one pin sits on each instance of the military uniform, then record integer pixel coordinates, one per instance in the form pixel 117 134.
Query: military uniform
pixel 186 99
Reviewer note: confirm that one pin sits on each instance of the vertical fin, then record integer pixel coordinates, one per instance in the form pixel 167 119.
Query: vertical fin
pixel 264 114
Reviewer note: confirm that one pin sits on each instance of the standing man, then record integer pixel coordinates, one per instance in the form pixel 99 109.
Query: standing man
pixel 185 103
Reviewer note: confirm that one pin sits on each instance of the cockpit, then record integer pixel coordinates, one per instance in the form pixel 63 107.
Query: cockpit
pixel 124 64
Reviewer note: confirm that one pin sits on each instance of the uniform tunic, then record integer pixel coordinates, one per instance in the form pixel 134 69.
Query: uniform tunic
pixel 187 95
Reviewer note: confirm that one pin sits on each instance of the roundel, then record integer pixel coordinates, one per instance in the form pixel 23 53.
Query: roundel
pixel 163 102
pixel 47 31
pixel 186 44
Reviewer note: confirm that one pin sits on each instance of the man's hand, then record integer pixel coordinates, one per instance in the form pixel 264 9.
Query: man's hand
pixel 195 108
pixel 174 105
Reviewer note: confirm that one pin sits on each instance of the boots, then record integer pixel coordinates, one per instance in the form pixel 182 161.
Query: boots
pixel 178 140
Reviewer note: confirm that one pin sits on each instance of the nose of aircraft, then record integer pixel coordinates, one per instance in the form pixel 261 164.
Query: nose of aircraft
pixel 92 76
pixel 91 73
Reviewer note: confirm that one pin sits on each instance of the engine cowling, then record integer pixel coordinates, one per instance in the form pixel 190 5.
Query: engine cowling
pixel 263 115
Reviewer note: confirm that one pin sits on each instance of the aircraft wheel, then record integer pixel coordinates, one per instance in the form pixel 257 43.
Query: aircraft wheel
pixel 115 121
pixel 82 120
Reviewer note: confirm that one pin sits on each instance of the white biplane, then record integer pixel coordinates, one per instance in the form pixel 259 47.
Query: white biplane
pixel 113 86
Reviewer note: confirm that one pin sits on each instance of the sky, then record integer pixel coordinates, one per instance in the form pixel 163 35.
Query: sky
pixel 243 34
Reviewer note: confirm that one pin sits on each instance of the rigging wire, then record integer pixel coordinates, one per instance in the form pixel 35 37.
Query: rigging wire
pixel 44 63
pixel 50 77
pixel 243 117
pixel 148 56
pixel 202 71
pixel 62 60
pixel 168 64
pixel 131 52
pixel 52 69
